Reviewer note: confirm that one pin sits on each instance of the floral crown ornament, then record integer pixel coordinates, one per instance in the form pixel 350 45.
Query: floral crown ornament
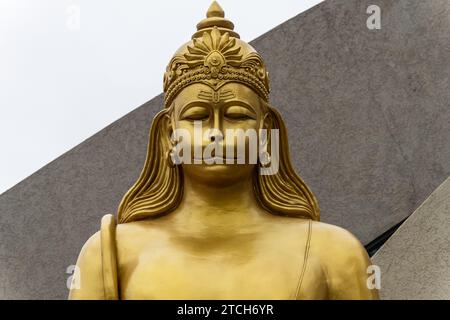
pixel 215 56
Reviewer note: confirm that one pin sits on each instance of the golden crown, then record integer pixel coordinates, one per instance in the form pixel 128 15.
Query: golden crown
pixel 215 56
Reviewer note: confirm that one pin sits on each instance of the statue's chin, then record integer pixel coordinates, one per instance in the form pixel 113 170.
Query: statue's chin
pixel 221 174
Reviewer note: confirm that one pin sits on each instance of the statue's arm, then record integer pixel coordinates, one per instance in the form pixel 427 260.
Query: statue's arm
pixel 89 282
pixel 346 262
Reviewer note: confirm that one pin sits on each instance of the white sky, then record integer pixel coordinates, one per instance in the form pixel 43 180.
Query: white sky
pixel 60 84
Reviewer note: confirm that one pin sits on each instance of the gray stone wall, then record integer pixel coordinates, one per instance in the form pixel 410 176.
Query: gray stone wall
pixel 368 117
pixel 414 262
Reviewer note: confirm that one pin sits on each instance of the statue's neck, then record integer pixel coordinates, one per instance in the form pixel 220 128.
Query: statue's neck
pixel 205 206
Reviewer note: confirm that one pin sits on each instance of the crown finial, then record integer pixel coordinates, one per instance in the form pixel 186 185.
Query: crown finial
pixel 215 17
pixel 215 56
pixel 215 10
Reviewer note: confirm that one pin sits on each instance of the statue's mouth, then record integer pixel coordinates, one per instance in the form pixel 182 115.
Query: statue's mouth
pixel 216 159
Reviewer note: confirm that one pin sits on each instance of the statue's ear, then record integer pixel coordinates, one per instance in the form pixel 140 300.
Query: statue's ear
pixel 166 129
pixel 267 121
pixel 275 121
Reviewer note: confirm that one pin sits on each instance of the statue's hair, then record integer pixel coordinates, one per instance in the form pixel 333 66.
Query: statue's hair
pixel 285 193
pixel 159 189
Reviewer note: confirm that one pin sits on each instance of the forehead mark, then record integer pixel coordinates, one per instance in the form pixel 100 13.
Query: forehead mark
pixel 216 96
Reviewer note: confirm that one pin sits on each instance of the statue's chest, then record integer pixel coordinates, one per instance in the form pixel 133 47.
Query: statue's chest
pixel 252 272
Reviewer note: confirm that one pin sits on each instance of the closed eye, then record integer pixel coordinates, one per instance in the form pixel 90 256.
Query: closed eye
pixel 195 113
pixel 239 113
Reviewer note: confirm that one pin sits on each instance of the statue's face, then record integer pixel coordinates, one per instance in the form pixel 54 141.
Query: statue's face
pixel 233 106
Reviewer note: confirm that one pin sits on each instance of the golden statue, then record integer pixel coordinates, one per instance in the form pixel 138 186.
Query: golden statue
pixel 196 230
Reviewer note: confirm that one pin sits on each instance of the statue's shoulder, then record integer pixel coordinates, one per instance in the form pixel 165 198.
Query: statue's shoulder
pixel 133 229
pixel 337 248
pixel 324 235
pixel 343 259
pixel 331 230
pixel 92 247
pixel 97 264
pixel 137 233
pixel 89 271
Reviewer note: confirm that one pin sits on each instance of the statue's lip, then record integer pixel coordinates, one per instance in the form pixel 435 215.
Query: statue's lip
pixel 216 158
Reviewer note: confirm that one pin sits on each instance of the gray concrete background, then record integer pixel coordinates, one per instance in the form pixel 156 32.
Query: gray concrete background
pixel 415 261
pixel 368 117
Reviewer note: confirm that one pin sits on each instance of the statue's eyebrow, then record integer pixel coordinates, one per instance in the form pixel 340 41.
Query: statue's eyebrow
pixel 240 103
pixel 192 103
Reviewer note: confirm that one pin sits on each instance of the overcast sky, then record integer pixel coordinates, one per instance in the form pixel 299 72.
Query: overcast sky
pixel 62 79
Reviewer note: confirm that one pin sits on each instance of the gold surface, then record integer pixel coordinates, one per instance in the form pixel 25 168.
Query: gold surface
pixel 221 231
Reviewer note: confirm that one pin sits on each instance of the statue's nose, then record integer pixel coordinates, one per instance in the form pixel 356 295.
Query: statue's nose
pixel 215 135
pixel 216 121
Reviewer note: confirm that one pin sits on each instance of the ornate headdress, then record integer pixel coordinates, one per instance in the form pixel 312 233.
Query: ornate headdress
pixel 215 56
